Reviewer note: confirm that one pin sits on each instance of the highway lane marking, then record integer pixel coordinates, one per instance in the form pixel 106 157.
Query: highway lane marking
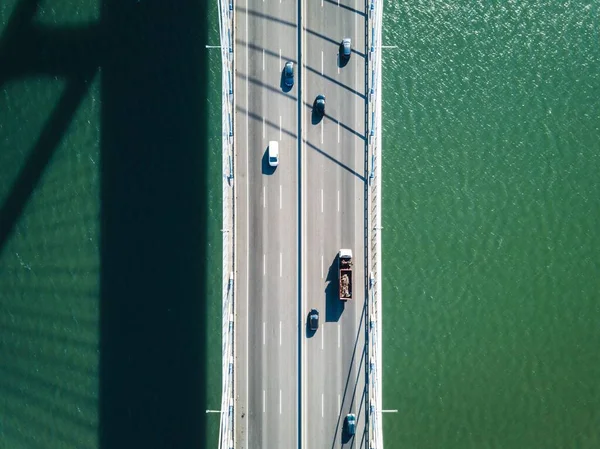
pixel 280 197
pixel 264 333
pixel 246 401
pixel 321 62
pixel 322 340
pixel 264 196
pixel 338 200
pixel 264 402
pixel 280 390
pixel 339 335
pixel 280 59
pixel 322 405
pixel 321 200
pixel 264 128
pixel 338 132
pixel 280 333
pixel 263 57
pixel 322 131
pixel 264 264
pixel 321 266
pixel 280 264
pixel 280 127
pixel 339 403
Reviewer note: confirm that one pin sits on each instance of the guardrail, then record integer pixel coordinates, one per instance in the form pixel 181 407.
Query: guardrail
pixel 226 428
pixel 374 370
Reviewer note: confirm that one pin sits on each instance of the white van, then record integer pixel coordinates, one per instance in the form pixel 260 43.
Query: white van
pixel 273 153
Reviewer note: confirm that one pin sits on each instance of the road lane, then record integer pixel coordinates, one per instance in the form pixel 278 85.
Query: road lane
pixel 266 228
pixel 335 149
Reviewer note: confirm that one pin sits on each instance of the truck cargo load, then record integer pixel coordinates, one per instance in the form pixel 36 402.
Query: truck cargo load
pixel 345 274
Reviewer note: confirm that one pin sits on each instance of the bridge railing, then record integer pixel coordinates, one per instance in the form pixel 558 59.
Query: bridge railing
pixel 226 428
pixel 374 309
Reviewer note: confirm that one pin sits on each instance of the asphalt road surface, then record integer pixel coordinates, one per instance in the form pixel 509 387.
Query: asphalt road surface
pixel 325 167
pixel 333 217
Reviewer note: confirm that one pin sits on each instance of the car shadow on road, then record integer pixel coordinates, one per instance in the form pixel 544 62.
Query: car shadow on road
pixel 333 306
pixel 309 333
pixel 266 168
pixel 315 117
pixel 342 62
pixel 282 85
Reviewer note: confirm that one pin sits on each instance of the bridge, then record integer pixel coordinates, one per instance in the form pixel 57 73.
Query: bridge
pixel 284 385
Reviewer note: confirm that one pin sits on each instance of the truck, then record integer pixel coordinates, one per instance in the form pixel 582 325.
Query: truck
pixel 345 273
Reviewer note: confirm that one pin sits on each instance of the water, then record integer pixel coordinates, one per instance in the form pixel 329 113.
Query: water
pixel 491 218
pixel 491 244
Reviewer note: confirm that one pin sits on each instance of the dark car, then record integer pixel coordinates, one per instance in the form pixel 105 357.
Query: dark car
pixel 288 74
pixel 350 424
pixel 313 319
pixel 319 105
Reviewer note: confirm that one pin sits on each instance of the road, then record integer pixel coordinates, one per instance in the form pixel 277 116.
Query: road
pixel 333 214
pixel 270 312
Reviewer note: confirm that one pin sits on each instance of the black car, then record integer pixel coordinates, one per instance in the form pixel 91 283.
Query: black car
pixel 350 424
pixel 288 74
pixel 319 105
pixel 313 320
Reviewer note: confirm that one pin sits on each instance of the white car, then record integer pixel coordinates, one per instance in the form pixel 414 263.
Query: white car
pixel 273 153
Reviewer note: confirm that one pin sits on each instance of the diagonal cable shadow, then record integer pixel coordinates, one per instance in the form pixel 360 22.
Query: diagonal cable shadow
pixel 332 159
pixel 40 155
pixel 341 415
pixel 27 49
pixel 333 80
pixel 349 8
pixel 152 249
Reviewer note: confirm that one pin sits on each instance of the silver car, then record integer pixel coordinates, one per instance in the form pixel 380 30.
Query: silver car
pixel 288 74
pixel 346 47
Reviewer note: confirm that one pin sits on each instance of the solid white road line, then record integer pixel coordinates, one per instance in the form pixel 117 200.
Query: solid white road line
pixel 264 196
pixel 280 197
pixel 339 335
pixel 322 340
pixel 264 333
pixel 246 399
pixel 280 264
pixel 264 402
pixel 263 59
pixel 338 132
pixel 338 200
pixel 264 128
pixel 321 62
pixel 339 403
pixel 280 390
pixel 322 131
pixel 322 405
pixel 321 200
pixel 321 266
pixel 280 59
pixel 264 264
pixel 280 333
pixel 280 127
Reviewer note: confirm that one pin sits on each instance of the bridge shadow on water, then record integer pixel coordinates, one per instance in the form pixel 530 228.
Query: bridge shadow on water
pixel 152 61
pixel 153 252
